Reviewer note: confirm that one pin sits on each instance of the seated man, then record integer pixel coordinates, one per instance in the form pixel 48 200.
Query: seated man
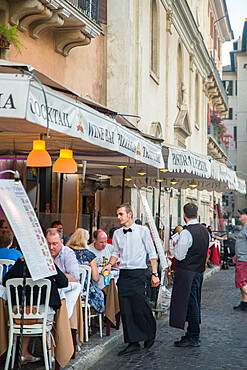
pixel 6 240
pixel 101 248
pixel 63 256
pixel 58 225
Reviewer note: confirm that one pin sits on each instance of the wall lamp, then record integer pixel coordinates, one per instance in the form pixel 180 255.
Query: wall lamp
pixel 15 173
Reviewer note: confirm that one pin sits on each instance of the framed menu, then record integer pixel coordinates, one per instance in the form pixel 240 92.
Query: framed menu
pixel 25 225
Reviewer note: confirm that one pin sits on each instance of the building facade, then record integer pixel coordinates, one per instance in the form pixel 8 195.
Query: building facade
pixel 235 83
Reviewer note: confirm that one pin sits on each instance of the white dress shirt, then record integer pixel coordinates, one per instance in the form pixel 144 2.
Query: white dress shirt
pixel 133 247
pixel 184 243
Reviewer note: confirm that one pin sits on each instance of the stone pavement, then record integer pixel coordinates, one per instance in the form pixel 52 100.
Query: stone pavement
pixel 223 336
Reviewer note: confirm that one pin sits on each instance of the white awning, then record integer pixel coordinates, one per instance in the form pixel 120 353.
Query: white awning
pixel 23 99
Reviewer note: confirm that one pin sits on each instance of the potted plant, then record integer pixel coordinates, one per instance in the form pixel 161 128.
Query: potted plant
pixel 9 36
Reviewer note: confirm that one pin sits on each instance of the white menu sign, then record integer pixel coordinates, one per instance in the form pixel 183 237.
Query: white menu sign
pixel 155 234
pixel 25 225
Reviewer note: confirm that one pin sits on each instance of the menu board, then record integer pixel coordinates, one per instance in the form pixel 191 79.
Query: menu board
pixel 25 225
pixel 154 232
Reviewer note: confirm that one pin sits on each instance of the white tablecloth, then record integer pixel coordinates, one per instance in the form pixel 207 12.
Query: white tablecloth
pixel 114 274
pixel 70 294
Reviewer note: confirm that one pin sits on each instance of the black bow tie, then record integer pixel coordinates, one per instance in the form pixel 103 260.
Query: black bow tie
pixel 126 230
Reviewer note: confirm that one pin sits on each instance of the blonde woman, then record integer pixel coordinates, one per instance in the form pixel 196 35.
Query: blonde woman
pixel 78 243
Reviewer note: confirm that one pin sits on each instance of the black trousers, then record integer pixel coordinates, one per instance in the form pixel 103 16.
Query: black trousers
pixel 138 321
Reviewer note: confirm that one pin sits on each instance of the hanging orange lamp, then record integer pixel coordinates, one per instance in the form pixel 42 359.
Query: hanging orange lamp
pixel 65 163
pixel 39 157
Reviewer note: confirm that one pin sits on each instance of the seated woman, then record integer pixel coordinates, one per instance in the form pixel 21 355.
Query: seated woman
pixel 6 240
pixel 57 281
pixel 78 243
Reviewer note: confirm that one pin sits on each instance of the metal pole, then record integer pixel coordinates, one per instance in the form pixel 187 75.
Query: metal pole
pixel 123 185
pixel 61 194
pixel 91 220
pixel 98 220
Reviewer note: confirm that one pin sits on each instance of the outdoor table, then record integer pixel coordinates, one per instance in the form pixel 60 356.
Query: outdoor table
pixel 112 310
pixel 214 248
pixel 68 322
pixel 114 274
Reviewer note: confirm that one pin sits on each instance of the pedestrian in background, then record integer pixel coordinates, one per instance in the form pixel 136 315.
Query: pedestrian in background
pixel 233 225
pixel 240 259
pixel 190 253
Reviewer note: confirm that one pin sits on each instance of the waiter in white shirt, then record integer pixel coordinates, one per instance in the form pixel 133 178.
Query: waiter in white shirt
pixel 133 242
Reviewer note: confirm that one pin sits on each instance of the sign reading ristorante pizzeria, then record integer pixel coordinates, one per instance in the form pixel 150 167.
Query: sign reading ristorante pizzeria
pixel 180 160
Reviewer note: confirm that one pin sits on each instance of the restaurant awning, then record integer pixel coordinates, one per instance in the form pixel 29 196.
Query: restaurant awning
pixel 71 122
pixel 187 168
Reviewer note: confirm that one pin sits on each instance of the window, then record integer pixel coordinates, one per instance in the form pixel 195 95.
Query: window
pixel 235 45
pixel 180 86
pixel 228 84
pixel 197 101
pixel 235 135
pixel 229 114
pixel 236 87
pixel 154 38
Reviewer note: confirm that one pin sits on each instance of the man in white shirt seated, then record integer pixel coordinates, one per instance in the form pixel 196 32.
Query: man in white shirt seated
pixel 101 248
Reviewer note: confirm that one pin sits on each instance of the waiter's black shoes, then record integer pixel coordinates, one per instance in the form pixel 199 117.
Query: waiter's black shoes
pixel 131 348
pixel 149 343
pixel 241 307
pixel 187 341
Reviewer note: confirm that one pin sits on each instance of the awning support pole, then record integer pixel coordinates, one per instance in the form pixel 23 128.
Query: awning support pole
pixel 123 185
pixel 60 194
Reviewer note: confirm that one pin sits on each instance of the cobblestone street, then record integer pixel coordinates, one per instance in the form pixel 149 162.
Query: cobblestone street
pixel 223 336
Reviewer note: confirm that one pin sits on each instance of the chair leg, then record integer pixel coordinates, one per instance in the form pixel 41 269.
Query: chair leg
pixel 45 351
pixel 86 325
pixel 73 333
pixel 13 351
pixel 9 351
pixel 100 325
pixel 49 349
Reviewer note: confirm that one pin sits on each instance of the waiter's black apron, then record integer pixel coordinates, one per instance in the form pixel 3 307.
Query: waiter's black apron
pixel 180 297
pixel 137 317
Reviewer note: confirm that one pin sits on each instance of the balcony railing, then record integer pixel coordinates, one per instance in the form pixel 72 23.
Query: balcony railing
pixel 88 7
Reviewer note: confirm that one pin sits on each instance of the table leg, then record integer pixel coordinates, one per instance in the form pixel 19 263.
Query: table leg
pixel 73 332
pixel 108 327
pixel 57 366
pixel 117 321
pixel 2 358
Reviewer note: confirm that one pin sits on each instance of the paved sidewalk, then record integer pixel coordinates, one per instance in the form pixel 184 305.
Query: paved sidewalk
pixel 223 336
pixel 97 347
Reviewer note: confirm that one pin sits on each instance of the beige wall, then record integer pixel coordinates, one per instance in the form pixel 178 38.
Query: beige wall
pixel 81 70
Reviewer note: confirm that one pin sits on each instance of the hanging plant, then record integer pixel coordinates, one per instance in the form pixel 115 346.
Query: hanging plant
pixel 9 36
pixel 220 129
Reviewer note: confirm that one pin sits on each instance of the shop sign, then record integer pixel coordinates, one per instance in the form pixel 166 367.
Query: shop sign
pixel 25 225
pixel 183 160
pixel 13 96
pixel 76 119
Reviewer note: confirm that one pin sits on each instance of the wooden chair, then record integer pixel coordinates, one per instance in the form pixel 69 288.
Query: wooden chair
pixel 41 328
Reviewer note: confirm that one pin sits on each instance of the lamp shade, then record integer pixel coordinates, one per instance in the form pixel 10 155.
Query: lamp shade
pixel 164 170
pixel 122 167
pixel 142 172
pixel 173 181
pixel 65 163
pixel 193 184
pixel 39 157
